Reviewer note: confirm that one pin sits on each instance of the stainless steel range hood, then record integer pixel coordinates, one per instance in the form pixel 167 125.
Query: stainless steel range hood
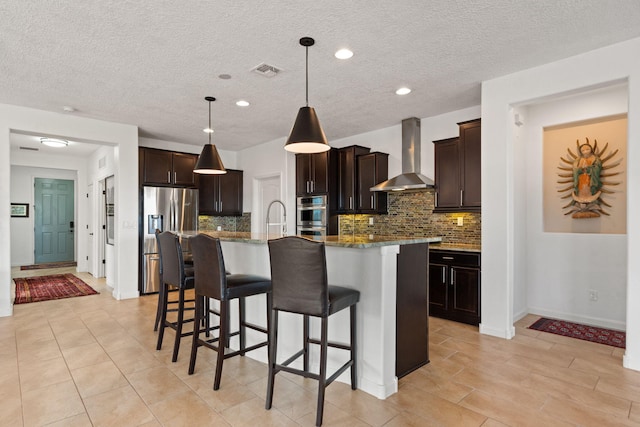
pixel 411 178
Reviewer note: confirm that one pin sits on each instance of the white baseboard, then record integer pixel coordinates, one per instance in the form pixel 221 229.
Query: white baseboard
pixel 495 332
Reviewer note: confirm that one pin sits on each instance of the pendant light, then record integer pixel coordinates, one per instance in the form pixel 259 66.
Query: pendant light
pixel 209 161
pixel 307 135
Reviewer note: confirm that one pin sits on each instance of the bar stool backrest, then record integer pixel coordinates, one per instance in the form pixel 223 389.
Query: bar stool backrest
pixel 299 276
pixel 208 266
pixel 171 261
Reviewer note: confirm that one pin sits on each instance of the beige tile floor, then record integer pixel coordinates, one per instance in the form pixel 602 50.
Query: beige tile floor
pixel 92 361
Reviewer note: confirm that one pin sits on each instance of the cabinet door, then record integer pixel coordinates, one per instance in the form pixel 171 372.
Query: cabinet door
pixel 183 165
pixel 303 173
pixel 438 290
pixel 465 298
pixel 207 194
pixel 230 198
pixel 319 173
pixel 157 167
pixel 470 161
pixel 347 177
pixel 447 173
pixel 372 169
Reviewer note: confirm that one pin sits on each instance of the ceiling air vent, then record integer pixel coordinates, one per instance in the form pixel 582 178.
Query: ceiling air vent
pixel 29 149
pixel 266 70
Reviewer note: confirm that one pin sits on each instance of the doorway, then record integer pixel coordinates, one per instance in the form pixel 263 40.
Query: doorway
pixel 268 190
pixel 54 220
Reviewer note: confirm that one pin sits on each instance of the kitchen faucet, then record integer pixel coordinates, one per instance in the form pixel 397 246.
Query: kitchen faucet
pixel 284 218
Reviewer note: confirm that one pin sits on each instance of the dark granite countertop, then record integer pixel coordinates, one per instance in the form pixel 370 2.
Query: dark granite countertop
pixel 346 241
pixel 462 247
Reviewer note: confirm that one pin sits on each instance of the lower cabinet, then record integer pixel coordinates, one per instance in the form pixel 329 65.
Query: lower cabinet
pixel 454 285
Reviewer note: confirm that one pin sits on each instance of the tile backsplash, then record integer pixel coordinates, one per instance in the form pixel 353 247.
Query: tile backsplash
pixel 411 214
pixel 226 223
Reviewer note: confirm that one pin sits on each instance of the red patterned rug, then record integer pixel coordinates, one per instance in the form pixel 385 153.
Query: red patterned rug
pixel 48 265
pixel 581 332
pixel 44 288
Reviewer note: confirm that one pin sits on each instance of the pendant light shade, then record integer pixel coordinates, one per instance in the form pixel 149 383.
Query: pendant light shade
pixel 209 161
pixel 307 135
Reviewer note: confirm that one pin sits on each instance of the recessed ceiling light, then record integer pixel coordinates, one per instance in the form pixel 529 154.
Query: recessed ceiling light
pixel 54 142
pixel 68 109
pixel 403 91
pixel 242 103
pixel 344 54
pixel 207 130
pixel 224 76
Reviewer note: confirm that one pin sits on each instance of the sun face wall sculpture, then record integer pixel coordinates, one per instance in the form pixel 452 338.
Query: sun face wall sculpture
pixel 584 172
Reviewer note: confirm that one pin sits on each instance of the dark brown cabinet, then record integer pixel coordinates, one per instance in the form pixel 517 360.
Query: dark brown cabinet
pixel 412 316
pixel 454 285
pixel 348 177
pixel 312 173
pixel 220 195
pixel 372 169
pixel 160 167
pixel 457 170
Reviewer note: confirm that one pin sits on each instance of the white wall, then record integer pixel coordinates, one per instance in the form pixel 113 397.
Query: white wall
pixel 501 230
pixel 574 263
pixel 22 191
pixel 125 138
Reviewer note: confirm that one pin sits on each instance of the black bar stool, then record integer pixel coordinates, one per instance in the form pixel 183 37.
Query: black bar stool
pixel 211 281
pixel 173 274
pixel 299 280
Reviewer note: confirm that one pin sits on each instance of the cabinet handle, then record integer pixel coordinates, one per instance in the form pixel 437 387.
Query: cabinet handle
pixel 461 191
pixel 444 271
pixel 350 202
pixel 308 191
pixel 447 257
pixel 220 205
pixel 453 276
pixel 168 177
pixel 372 201
pixel 175 177
pixel 313 186
pixel 436 199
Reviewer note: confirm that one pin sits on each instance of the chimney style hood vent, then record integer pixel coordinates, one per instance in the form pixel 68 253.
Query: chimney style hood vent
pixel 411 178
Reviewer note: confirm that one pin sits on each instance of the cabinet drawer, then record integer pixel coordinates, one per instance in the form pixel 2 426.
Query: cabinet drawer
pixel 470 259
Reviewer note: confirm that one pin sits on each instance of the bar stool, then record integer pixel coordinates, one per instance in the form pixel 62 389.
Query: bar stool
pixel 299 285
pixel 173 274
pixel 211 281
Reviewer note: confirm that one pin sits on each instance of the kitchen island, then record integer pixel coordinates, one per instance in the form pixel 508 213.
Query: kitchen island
pixel 388 271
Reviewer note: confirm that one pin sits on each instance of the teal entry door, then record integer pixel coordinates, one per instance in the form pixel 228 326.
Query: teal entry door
pixel 54 221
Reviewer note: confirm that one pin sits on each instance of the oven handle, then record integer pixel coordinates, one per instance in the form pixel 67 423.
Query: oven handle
pixel 311 208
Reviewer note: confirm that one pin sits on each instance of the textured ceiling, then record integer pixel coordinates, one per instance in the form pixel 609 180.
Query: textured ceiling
pixel 150 63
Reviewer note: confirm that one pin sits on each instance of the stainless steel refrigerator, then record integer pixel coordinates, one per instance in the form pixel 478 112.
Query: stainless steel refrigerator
pixel 164 209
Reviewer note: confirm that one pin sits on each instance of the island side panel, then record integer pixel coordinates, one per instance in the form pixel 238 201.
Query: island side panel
pixel 412 317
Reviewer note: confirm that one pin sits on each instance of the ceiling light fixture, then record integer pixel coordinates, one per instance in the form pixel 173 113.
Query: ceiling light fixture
pixel 54 142
pixel 209 161
pixel 403 91
pixel 307 135
pixel 343 54
pixel 242 103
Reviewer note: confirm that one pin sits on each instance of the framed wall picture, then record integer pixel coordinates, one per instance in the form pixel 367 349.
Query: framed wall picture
pixel 19 210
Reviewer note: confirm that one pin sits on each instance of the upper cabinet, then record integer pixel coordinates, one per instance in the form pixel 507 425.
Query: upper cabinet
pixel 372 169
pixel 167 168
pixel 313 172
pixel 348 177
pixel 457 170
pixel 221 195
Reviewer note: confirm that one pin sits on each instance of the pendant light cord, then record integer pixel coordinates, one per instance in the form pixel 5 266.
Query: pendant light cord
pixel 209 123
pixel 307 75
